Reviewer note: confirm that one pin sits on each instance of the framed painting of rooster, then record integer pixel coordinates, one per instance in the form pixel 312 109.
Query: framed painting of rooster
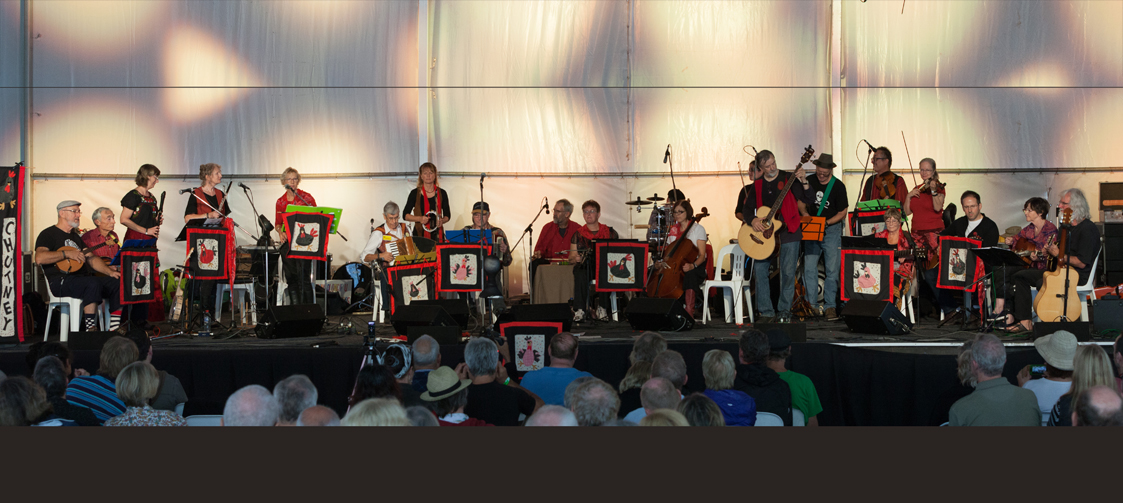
pixel 410 283
pixel 307 234
pixel 459 269
pixel 213 249
pixel 621 266
pixel 959 268
pixel 138 272
pixel 867 275
pixel 527 342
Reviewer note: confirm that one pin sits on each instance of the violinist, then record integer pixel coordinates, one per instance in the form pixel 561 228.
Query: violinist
pixel 902 266
pixel 884 184
pixel 581 256
pixel 926 205
pixel 1083 245
pixel 694 274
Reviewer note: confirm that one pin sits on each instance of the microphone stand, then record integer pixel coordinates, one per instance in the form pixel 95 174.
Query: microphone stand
pixel 865 169
pixel 530 231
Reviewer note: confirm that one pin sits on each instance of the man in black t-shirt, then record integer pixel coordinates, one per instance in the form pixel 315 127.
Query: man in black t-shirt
pixel 80 281
pixel 824 196
pixel 493 397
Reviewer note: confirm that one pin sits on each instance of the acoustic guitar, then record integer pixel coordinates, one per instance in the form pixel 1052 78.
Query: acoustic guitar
pixel 761 245
pixel 1050 304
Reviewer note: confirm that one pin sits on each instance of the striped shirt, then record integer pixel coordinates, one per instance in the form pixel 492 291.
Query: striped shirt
pixel 97 393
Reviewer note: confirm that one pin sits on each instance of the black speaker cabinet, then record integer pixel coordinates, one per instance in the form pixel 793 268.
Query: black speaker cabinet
pixel 875 317
pixel 539 312
pixel 1081 329
pixel 797 332
pixel 660 315
pixel 89 341
pixel 457 308
pixel 445 336
pixel 300 320
pixel 415 315
pixel 1107 314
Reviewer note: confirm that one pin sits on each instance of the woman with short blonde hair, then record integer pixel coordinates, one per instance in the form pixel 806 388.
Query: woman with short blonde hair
pixel 298 272
pixel 737 407
pixel 137 385
pixel 664 417
pixel 377 412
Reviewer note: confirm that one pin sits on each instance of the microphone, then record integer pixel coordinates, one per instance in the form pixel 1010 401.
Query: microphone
pixel 243 186
pixel 547 205
pixel 288 188
pixel 870 146
pixel 184 191
pixel 668 154
pixel 482 175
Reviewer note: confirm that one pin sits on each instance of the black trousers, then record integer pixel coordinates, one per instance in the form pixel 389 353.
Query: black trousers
pixel 1022 282
pixel 298 274
pixel 91 289
pixel 582 275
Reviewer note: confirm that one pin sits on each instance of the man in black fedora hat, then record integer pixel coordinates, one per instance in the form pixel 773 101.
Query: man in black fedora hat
pixel 824 196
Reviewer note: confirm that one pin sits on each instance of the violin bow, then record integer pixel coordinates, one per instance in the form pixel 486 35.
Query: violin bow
pixel 911 168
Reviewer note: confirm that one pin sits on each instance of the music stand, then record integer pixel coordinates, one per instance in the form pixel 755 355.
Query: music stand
pixel 469 236
pixel 994 257
pixel 866 242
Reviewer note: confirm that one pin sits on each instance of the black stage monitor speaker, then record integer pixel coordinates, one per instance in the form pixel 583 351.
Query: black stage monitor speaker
pixel 797 332
pixel 539 312
pixel 1107 313
pixel 420 316
pixel 661 315
pixel 875 317
pixel 299 320
pixel 445 336
pixel 1081 329
pixel 89 341
pixel 457 308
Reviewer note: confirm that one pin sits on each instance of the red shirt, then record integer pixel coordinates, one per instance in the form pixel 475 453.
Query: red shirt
pixel 924 215
pixel 869 192
pixel 551 240
pixel 302 199
pixel 93 238
pixel 904 242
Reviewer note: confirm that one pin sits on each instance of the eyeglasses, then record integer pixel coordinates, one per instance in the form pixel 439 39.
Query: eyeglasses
pixel 881 158
pixel 679 212
pixel 591 212
pixel 290 180
pixel 75 211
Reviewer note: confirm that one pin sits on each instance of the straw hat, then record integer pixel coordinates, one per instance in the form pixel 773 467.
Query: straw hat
pixel 1010 232
pixel 1058 349
pixel 444 383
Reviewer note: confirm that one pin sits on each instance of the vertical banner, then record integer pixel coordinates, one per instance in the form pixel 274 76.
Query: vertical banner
pixel 11 261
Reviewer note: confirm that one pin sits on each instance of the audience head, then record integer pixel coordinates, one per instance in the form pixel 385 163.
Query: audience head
pixel 553 415
pixel 563 346
pixel 137 384
pixel 252 405
pixel 571 389
pixel 670 366
pixel 1092 368
pixel 375 381
pixel 22 402
pixel 646 347
pixel 1117 356
pixel 377 412
pixel 754 347
pixel 1058 349
pixel 988 356
pixel 446 393
pixel 779 345
pixel 659 393
pixel 426 353
pixel 664 417
pixel 700 410
pixel 963 365
pixel 318 415
pixel 139 336
pixel 420 416
pixel 294 394
pixel 50 374
pixel 1098 406
pixel 718 369
pixel 482 357
pixel 117 353
pixel 397 360
pixel 38 350
pixel 595 403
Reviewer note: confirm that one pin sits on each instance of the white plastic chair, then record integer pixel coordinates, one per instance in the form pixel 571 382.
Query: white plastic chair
pixel 179 409
pixel 70 318
pixel 379 315
pixel 237 300
pixel 612 300
pixel 797 417
pixel 204 420
pixel 734 307
pixel 1084 292
pixel 768 419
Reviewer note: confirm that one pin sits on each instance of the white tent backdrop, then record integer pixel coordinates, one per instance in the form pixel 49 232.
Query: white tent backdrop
pixel 574 99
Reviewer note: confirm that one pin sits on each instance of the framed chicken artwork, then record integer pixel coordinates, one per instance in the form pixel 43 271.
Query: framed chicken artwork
pixel 867 275
pixel 621 266
pixel 459 268
pixel 959 267
pixel 307 234
pixel 527 342
pixel 139 272
pixel 213 256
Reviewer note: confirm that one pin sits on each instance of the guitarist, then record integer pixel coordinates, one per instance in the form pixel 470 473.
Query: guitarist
pixel 142 218
pixel 81 283
pixel 581 255
pixel 763 192
pixel 824 196
pixel 1083 245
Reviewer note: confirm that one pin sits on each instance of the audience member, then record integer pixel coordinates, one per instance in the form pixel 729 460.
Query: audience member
pixel 756 379
pixel 571 389
pixel 24 403
pixel 318 415
pixel 1091 368
pixel 50 374
pixel 656 393
pixel 1058 349
pixel 294 394
pixel 136 386
pixel 554 415
pixel 737 408
pixel 804 396
pixel 494 397
pixel 669 365
pixel 426 358
pixel 995 402
pixel 700 410
pixel 374 381
pixel 664 417
pixel 377 412
pixel 98 392
pixel 446 396
pixel 1117 357
pixel 644 350
pixel 1098 406
pixel 59 350
pixel 170 393
pixel 549 383
pixel 595 403
pixel 252 405
pixel 398 360
pixel 420 416
pixel 964 387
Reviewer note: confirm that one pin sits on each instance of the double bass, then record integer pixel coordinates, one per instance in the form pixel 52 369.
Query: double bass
pixel 1050 304
pixel 666 282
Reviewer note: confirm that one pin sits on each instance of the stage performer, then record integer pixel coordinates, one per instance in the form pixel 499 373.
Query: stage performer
pixel 926 205
pixel 761 193
pixel 481 213
pixel 140 214
pixel 883 173
pixel 694 274
pixel 1083 247
pixel 902 266
pixel 584 260
pixel 824 196
pixel 298 273
pixel 974 225
pixel 673 196
pixel 211 175
pixel 392 229
pixel 81 283
pixel 553 240
pixel 421 210
pixel 102 234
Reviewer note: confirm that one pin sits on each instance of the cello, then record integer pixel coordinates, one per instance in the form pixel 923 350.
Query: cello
pixel 1057 299
pixel 665 282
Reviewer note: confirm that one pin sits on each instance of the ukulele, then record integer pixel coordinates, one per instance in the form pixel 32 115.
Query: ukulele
pixel 761 245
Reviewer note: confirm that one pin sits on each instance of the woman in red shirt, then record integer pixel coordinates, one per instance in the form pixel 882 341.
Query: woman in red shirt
pixel 902 266
pixel 926 205
pixel 298 273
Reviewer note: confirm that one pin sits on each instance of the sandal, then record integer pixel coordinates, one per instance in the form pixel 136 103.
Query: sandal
pixel 1018 330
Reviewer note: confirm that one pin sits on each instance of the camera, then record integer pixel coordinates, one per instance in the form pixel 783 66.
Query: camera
pixel 370 328
pixel 1037 371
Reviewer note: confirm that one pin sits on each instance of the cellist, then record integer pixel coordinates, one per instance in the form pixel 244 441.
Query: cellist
pixel 694 274
pixel 1083 244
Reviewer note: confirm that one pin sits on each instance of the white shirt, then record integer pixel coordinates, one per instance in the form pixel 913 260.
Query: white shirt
pixel 1048 392
pixel 696 233
pixel 971 224
pixel 377 238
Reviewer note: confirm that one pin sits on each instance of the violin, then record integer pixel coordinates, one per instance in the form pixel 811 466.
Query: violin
pixel 665 281
pixel 886 184
pixel 932 184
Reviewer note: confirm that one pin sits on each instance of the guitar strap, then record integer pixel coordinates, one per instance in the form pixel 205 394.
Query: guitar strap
pixel 826 194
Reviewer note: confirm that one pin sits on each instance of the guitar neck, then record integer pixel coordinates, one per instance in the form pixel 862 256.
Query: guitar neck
pixel 780 199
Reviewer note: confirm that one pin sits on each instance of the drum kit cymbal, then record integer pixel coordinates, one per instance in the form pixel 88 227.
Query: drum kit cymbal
pixel 638 203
